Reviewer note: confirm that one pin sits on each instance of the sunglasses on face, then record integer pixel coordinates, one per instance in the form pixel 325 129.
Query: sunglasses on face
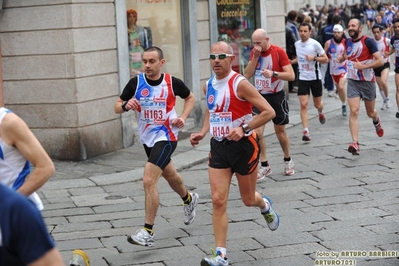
pixel 220 56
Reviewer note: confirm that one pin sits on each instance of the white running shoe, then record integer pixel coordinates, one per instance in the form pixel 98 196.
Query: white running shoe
pixel 217 260
pixel 142 238
pixel 388 103
pixel 289 167
pixel 264 171
pixel 189 209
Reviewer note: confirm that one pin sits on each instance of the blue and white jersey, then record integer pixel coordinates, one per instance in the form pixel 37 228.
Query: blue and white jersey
pixel 14 168
pixel 370 14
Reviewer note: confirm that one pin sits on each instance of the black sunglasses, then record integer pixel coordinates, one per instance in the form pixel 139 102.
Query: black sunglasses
pixel 220 56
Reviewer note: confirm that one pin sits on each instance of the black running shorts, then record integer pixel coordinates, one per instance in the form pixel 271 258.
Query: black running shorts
pixel 305 86
pixel 378 70
pixel 241 156
pixel 280 105
pixel 161 152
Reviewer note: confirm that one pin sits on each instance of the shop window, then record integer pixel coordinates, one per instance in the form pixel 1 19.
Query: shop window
pixel 158 23
pixel 236 23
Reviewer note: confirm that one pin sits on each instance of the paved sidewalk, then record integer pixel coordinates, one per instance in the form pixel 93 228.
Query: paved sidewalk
pixel 335 201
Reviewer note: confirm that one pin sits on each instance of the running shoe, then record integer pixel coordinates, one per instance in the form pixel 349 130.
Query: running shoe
pixel 331 94
pixel 79 258
pixel 322 118
pixel 383 106
pixel 189 209
pixel 354 148
pixel 306 136
pixel 388 103
pixel 217 260
pixel 289 167
pixel 264 171
pixel 344 110
pixel 379 129
pixel 397 114
pixel 141 238
pixel 271 216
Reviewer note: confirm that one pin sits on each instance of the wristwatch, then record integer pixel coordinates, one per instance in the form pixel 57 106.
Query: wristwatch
pixel 315 58
pixel 274 74
pixel 246 128
pixel 124 106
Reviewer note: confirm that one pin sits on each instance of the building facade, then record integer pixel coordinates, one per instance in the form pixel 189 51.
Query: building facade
pixel 65 62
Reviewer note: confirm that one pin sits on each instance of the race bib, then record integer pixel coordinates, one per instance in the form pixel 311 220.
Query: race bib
pixel 153 110
pixel 261 82
pixel 304 64
pixel 220 124
pixel 352 73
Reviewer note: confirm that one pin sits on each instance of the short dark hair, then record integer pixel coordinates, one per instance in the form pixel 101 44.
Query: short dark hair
pixel 304 24
pixel 377 27
pixel 336 19
pixel 156 49
pixel 292 15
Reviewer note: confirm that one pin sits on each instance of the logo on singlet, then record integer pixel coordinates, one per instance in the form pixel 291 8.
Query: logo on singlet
pixel 333 50
pixel 211 98
pixel 145 92
pixel 349 49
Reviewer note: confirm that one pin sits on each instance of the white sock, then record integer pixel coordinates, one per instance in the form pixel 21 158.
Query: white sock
pixel 266 209
pixel 306 129
pixel 222 250
pixel 383 95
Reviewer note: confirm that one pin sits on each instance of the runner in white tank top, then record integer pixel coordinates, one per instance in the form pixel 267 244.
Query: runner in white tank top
pixel 15 171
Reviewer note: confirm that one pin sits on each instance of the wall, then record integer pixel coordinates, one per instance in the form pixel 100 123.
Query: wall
pixel 60 73
pixel 275 22
pixel 1 82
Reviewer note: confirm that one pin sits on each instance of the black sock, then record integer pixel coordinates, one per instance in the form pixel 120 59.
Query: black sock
pixel 148 228
pixel 264 164
pixel 287 159
pixel 187 199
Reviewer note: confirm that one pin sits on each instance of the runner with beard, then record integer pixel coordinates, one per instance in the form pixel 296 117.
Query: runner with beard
pixel 335 47
pixel 362 56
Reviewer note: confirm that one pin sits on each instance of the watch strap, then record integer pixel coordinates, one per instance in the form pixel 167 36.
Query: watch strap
pixel 124 106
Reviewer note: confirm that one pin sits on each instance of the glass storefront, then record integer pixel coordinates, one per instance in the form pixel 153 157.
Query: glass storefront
pixel 236 23
pixel 155 22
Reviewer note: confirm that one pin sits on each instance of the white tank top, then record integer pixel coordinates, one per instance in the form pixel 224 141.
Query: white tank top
pixel 14 168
